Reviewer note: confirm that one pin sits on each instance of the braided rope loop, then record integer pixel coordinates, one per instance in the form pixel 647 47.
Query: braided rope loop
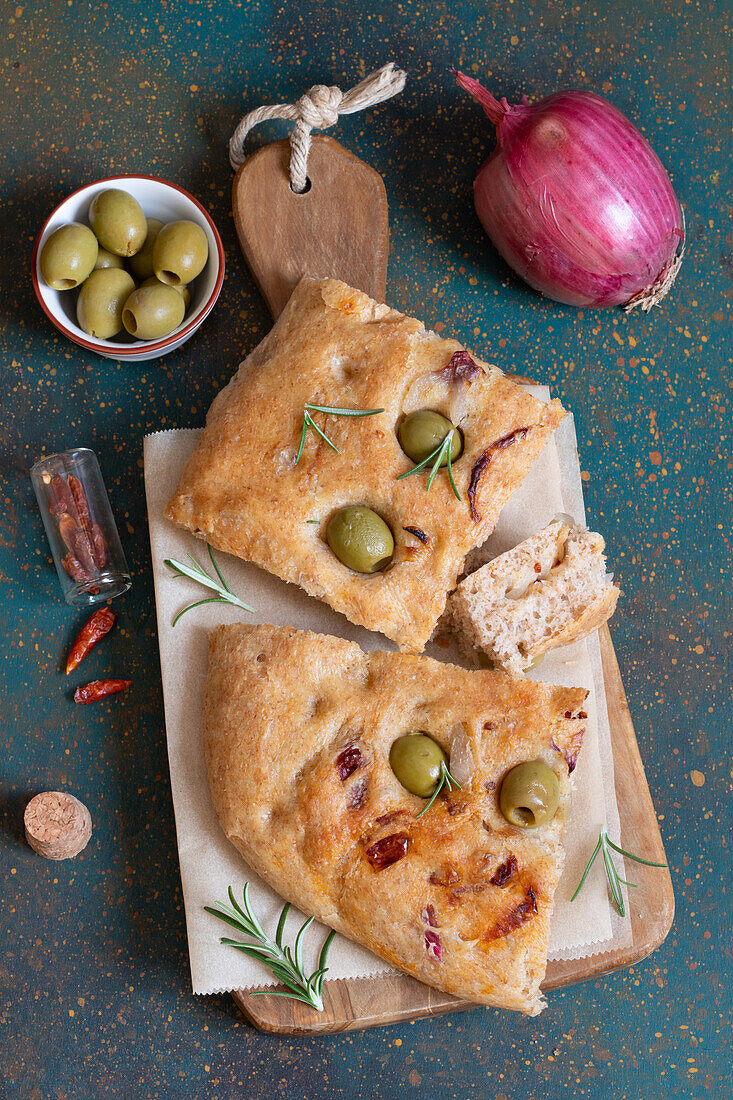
pixel 318 109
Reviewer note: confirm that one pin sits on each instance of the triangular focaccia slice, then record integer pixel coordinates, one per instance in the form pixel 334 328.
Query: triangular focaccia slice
pixel 333 346
pixel 297 733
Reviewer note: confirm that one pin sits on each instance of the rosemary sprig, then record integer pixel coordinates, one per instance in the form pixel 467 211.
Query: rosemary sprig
pixel 196 572
pixel 445 780
pixel 286 965
pixel 331 410
pixel 614 879
pixel 442 451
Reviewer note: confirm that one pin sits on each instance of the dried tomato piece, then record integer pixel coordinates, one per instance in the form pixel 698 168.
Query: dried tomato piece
pixel 348 761
pixel 424 539
pixel 483 461
pixel 514 919
pixel 428 916
pixel 393 815
pixel 387 851
pixel 504 871
pixel 98 689
pixel 92 632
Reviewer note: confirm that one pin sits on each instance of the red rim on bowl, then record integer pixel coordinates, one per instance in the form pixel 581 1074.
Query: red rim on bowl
pixel 141 345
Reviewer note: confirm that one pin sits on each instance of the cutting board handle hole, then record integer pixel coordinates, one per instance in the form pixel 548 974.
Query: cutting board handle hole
pixel 305 190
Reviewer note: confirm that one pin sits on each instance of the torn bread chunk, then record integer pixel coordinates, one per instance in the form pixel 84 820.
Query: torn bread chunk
pixel 250 490
pixel 298 730
pixel 549 591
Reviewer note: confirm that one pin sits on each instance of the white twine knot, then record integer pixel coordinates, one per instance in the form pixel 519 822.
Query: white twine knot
pixel 318 109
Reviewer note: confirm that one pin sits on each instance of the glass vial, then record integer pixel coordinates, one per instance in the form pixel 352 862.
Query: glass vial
pixel 80 526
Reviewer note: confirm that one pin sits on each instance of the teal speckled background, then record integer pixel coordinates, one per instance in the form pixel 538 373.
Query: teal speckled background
pixel 94 989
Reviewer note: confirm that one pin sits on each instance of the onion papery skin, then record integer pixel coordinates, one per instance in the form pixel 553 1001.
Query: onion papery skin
pixel 577 201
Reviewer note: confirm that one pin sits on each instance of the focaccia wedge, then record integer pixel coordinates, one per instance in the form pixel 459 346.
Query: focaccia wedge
pixel 297 735
pixel 333 346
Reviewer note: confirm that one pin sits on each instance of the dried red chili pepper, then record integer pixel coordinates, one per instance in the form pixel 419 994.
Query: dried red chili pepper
pixel 78 543
pixel 84 538
pixel 97 689
pixel 100 546
pixel 76 570
pixel 80 501
pixel 92 632
pixel 60 499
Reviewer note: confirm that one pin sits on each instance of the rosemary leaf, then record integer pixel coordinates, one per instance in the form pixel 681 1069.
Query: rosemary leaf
pixel 281 925
pixel 589 864
pixel 211 599
pixel 636 859
pixel 216 567
pixel 445 780
pixel 302 441
pixel 286 965
pixel 334 411
pixel 420 465
pixel 604 846
pixel 330 410
pixel 442 451
pixel 196 572
pixel 312 424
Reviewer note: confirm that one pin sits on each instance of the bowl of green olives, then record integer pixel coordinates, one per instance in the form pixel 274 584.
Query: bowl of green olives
pixel 128 267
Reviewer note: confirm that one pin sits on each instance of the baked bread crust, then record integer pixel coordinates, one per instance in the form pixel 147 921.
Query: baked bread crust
pixel 548 591
pixel 297 732
pixel 332 345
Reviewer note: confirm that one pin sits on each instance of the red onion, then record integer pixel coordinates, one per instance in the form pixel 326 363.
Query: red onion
pixel 577 201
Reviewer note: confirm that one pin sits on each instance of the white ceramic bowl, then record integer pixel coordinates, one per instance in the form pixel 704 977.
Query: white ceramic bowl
pixel 159 199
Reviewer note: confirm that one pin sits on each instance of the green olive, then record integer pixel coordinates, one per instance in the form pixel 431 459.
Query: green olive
pixel 141 264
pixel 108 259
pixel 421 432
pixel 180 252
pixel 360 539
pixel 153 311
pixel 530 794
pixel 68 256
pixel 100 302
pixel 182 289
pixel 415 759
pixel 118 222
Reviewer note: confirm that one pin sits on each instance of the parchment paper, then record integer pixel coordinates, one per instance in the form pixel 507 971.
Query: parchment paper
pixel 209 864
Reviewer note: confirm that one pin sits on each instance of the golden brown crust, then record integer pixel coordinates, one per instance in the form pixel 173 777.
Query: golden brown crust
pixel 297 732
pixel 333 345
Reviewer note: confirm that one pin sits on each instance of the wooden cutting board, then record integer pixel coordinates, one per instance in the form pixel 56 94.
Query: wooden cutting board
pixel 352 1004
pixel 339 228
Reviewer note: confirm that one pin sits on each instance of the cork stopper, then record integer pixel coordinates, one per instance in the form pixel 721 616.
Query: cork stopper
pixel 57 825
